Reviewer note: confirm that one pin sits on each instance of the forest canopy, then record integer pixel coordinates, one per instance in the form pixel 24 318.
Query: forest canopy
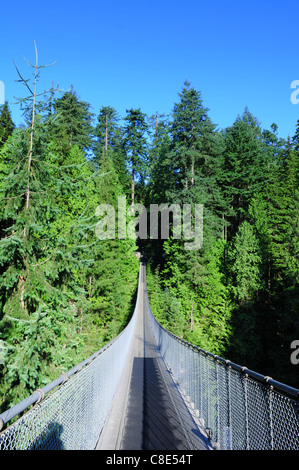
pixel 64 292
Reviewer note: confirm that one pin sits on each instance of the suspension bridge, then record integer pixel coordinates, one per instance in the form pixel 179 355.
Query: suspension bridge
pixel 150 390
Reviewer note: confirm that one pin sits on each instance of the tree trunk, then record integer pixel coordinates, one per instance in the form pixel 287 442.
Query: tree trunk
pixel 133 186
pixel 106 136
pixel 31 134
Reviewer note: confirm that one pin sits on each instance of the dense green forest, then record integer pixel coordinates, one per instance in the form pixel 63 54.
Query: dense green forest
pixel 64 292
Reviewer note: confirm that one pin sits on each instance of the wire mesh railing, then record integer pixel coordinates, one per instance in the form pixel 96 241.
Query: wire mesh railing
pixel 241 409
pixel 70 412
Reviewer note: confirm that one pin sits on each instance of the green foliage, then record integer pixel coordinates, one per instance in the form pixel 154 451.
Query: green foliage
pixel 238 294
pixel 246 260
pixel 71 122
pixel 6 123
pixel 245 169
pixel 64 292
pixel 136 147
pixel 110 144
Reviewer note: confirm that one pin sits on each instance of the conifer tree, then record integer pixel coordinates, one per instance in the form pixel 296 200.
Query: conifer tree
pixel 195 157
pixel 187 168
pixel 190 123
pixel 6 123
pixel 268 316
pixel 244 167
pixel 107 130
pixel 295 139
pixel 283 204
pixel 71 122
pixel 246 264
pixel 136 147
pixel 108 134
pixel 162 178
pixel 38 292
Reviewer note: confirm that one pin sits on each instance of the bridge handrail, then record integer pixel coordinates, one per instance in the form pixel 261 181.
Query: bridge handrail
pixel 279 386
pixel 40 393
pixel 240 408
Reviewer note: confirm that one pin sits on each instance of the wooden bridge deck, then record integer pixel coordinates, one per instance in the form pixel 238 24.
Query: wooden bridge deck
pixel 148 412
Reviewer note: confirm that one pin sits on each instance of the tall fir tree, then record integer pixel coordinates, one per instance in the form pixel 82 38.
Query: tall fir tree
pixel 39 295
pixel 136 147
pixel 71 122
pixel 244 167
pixel 109 139
pixel 7 125
pixel 188 164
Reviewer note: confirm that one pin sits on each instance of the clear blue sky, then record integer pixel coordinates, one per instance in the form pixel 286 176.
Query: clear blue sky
pixel 137 54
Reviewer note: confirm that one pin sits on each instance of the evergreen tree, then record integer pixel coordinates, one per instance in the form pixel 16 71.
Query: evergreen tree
pixel 189 158
pixel 108 184
pixel 136 147
pixel 282 325
pixel 295 139
pixel 195 158
pixel 273 149
pixel 6 123
pixel 283 203
pixel 112 276
pixel 38 292
pixel 107 130
pixel 108 136
pixel 245 167
pixel 71 122
pixel 190 121
pixel 161 178
pixel 265 322
pixel 195 150
pixel 246 264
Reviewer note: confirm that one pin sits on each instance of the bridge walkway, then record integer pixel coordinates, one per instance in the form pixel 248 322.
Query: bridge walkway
pixel 148 412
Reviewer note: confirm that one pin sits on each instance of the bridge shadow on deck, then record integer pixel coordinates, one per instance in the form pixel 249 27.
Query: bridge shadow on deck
pixel 149 412
pixel 161 426
pixel 166 424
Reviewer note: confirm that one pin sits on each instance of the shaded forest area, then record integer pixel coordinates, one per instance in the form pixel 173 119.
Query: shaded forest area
pixel 64 292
